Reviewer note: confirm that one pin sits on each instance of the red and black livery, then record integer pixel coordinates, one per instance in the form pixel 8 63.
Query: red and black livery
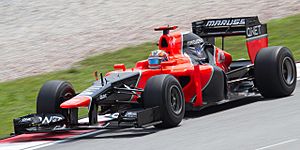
pixel 142 96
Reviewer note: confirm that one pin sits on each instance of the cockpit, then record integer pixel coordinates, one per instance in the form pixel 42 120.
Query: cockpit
pixel 193 46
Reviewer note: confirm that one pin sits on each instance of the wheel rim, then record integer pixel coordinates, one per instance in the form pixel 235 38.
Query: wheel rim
pixel 67 95
pixel 175 99
pixel 288 73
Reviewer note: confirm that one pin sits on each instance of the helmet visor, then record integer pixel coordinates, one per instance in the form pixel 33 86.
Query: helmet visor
pixel 154 61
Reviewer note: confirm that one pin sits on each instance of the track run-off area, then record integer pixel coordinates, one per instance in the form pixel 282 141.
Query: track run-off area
pixel 249 124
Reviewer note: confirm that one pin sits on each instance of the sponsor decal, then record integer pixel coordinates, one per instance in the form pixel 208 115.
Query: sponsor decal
pixel 38 119
pixel 29 119
pixel 103 96
pixel 91 90
pixel 253 31
pixel 52 119
pixel 225 22
pixel 33 120
pixel 130 115
pixel 194 42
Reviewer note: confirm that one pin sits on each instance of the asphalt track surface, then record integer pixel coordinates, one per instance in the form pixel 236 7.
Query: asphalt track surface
pixel 248 124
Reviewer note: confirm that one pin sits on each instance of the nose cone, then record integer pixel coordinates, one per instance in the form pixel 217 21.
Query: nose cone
pixel 77 101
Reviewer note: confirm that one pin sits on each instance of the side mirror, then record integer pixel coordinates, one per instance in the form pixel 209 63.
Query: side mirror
pixel 119 67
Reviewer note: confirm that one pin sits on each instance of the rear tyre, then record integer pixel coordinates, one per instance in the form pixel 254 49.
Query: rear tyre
pixel 165 91
pixel 52 94
pixel 275 72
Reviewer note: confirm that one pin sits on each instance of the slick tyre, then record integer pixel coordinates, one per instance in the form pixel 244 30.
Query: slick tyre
pixel 52 94
pixel 165 91
pixel 275 72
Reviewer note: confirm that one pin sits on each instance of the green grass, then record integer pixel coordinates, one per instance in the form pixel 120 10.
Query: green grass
pixel 17 98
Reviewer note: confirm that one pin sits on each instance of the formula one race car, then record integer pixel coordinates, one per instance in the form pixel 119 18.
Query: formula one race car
pixel 187 73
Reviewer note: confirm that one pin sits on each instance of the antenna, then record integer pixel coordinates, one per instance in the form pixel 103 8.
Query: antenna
pixel 101 76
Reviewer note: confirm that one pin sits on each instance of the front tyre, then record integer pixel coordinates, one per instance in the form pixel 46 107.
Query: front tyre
pixel 275 72
pixel 51 95
pixel 165 91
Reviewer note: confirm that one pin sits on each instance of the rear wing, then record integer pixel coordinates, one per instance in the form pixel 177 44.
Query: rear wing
pixel 255 32
pixel 248 26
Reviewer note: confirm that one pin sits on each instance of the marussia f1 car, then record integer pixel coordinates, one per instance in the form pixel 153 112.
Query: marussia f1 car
pixel 158 91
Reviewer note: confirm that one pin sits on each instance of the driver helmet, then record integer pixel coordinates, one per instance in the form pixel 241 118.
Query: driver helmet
pixel 198 49
pixel 156 57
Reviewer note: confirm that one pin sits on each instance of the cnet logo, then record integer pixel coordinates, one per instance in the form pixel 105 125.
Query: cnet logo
pixel 253 31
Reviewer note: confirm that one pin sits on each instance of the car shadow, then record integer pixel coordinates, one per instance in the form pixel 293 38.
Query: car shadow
pixel 278 98
pixel 222 107
pixel 116 133
pixel 140 132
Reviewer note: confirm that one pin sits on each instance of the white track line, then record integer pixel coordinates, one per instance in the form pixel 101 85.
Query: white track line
pixel 41 144
pixel 63 141
pixel 298 71
pixel 21 145
pixel 277 144
pixel 83 120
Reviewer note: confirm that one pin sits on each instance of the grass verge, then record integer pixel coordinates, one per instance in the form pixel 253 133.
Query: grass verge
pixel 17 98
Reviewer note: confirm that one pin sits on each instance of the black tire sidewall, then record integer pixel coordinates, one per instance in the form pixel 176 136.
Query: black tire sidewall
pixel 169 114
pixel 51 96
pixel 156 93
pixel 268 72
pixel 281 56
